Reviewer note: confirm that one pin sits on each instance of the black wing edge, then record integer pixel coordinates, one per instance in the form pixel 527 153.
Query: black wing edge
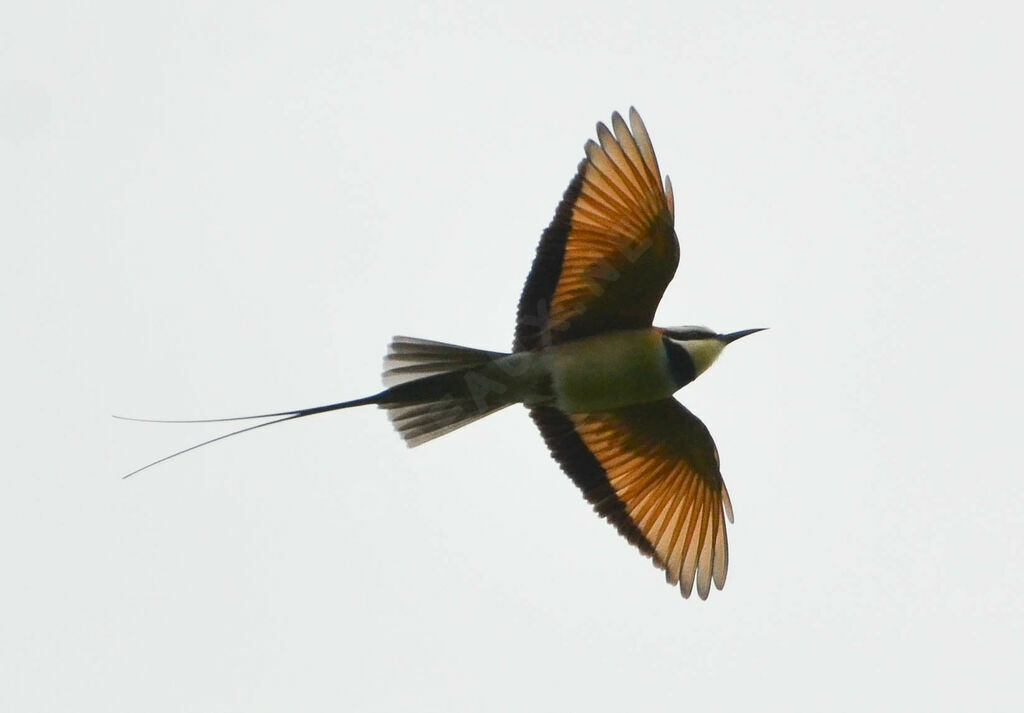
pixel 580 464
pixel 535 301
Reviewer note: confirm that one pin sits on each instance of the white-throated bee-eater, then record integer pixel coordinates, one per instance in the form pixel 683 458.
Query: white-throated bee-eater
pixel 595 375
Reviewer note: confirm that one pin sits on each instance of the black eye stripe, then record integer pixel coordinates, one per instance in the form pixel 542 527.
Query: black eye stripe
pixel 683 334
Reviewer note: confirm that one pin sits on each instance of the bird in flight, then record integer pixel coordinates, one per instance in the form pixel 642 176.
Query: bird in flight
pixel 596 377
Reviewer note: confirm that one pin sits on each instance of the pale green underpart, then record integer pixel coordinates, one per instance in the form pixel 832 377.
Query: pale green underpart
pixel 609 371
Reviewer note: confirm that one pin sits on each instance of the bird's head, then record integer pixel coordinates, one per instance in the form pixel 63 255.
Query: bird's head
pixel 703 345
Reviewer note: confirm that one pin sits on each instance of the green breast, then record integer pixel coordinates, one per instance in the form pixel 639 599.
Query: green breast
pixel 610 370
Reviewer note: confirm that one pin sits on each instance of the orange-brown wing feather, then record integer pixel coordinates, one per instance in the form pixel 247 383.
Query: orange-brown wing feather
pixel 611 249
pixel 651 470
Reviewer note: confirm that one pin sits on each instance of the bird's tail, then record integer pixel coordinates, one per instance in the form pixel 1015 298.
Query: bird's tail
pixel 432 389
pixel 435 388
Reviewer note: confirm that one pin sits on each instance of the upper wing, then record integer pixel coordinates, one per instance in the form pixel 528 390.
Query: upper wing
pixel 610 250
pixel 652 471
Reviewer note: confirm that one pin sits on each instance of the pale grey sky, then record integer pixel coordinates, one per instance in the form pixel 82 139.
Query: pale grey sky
pixel 214 209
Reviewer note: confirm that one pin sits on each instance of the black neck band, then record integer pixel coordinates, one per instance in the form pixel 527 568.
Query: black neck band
pixel 680 364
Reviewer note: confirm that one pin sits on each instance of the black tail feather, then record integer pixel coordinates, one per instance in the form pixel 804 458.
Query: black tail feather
pixel 279 417
pixel 434 388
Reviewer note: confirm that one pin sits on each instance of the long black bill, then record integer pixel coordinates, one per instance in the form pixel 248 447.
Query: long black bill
pixel 727 338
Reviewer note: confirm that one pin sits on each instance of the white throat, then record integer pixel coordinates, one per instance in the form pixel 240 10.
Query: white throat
pixel 703 352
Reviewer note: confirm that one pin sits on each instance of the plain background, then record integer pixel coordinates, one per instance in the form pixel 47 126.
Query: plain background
pixel 218 209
